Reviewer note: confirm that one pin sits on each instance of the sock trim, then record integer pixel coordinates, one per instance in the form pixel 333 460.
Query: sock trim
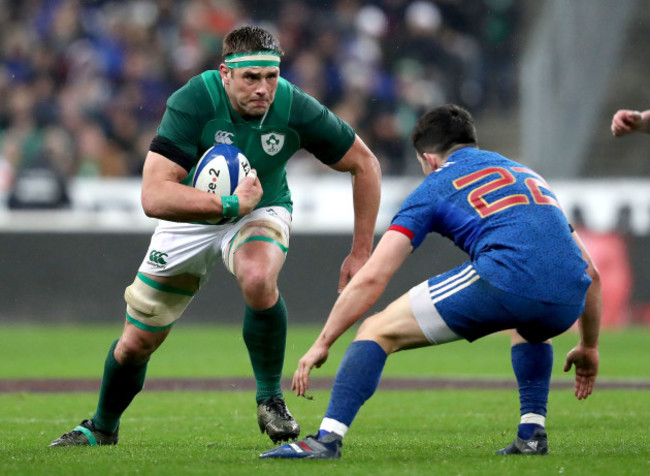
pixel 334 426
pixel 88 433
pixel 533 418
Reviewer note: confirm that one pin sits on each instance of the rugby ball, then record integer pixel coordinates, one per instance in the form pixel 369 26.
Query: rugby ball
pixel 219 171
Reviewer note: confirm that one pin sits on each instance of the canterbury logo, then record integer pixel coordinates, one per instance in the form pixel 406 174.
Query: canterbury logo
pixel 157 257
pixel 223 137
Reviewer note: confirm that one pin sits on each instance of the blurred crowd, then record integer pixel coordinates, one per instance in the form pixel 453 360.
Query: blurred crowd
pixel 83 84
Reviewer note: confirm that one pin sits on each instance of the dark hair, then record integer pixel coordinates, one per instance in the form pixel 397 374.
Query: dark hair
pixel 440 129
pixel 250 38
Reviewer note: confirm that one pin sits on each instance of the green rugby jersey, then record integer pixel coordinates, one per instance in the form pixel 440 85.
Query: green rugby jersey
pixel 199 115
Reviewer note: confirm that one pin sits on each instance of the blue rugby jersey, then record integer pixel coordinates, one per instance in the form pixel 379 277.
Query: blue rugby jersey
pixel 506 218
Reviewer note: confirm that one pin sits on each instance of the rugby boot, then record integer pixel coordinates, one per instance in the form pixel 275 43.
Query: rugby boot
pixel 537 444
pixel 275 419
pixel 86 435
pixel 326 447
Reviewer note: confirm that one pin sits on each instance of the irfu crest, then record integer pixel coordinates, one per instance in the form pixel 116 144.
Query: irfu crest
pixel 272 142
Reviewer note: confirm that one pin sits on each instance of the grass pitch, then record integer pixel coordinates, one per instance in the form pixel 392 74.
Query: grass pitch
pixel 396 432
pixel 411 432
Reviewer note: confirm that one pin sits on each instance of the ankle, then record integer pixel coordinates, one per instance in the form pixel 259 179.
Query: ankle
pixel 525 431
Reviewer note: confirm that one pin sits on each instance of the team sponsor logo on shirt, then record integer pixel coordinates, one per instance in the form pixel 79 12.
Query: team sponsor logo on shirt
pixel 223 137
pixel 272 142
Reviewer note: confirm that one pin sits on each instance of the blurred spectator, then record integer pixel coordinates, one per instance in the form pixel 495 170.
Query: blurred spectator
pixel 102 70
pixel 41 182
pixel 499 42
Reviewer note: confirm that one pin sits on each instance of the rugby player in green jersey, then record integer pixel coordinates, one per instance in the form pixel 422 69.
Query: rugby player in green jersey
pixel 247 104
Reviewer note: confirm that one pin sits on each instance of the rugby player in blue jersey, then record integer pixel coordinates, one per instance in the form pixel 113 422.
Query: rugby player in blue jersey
pixel 528 272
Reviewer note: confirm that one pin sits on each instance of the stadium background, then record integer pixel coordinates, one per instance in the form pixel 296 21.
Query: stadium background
pixel 83 86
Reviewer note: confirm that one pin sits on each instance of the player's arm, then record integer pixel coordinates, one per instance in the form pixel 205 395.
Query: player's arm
pixel 359 295
pixel 585 355
pixel 164 197
pixel 626 122
pixel 364 168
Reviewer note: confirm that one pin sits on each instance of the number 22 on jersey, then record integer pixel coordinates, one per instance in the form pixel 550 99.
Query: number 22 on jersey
pixel 503 177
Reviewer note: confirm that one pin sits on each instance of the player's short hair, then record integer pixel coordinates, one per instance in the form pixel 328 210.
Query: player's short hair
pixel 442 128
pixel 250 38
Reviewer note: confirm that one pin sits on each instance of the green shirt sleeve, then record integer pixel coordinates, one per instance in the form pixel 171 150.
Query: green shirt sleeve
pixel 321 132
pixel 187 110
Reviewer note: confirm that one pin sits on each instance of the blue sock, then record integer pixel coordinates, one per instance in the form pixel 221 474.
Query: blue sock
pixel 526 430
pixel 533 364
pixel 356 380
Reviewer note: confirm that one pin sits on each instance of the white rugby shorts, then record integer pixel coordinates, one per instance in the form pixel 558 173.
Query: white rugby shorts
pixel 178 248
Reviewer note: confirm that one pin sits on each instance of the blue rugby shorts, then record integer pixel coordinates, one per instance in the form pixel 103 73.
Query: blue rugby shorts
pixel 472 308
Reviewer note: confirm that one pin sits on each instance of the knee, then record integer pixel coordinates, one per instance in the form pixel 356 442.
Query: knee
pixel 258 286
pixel 366 330
pixel 371 329
pixel 134 350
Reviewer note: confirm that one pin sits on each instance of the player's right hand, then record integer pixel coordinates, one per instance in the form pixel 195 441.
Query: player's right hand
pixel 625 122
pixel 249 192
pixel 315 357
pixel 586 360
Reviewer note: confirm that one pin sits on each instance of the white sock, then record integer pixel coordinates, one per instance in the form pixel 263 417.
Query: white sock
pixel 334 426
pixel 533 418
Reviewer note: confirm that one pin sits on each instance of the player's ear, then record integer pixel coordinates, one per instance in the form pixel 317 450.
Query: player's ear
pixel 431 159
pixel 224 72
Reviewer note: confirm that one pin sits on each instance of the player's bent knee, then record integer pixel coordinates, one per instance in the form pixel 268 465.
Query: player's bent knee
pixel 152 306
pixel 375 330
pixel 257 281
pixel 134 351
pixel 369 328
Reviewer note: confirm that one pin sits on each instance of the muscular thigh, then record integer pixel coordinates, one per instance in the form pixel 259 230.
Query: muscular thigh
pixel 262 238
pixel 259 244
pixel 395 328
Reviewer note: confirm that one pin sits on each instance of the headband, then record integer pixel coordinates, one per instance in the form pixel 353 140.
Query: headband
pixel 252 59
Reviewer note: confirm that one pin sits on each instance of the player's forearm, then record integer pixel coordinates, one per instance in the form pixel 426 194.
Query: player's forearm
pixel 166 198
pixel 589 322
pixel 366 193
pixel 352 304
pixel 176 202
pixel 645 122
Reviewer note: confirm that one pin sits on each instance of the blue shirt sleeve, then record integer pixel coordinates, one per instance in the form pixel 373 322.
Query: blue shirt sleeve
pixel 417 214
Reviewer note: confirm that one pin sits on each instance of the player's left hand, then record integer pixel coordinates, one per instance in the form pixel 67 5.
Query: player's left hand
pixel 315 357
pixel 586 361
pixel 351 265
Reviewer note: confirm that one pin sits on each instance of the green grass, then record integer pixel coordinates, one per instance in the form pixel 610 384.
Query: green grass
pixel 208 351
pixel 415 432
pixel 396 432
